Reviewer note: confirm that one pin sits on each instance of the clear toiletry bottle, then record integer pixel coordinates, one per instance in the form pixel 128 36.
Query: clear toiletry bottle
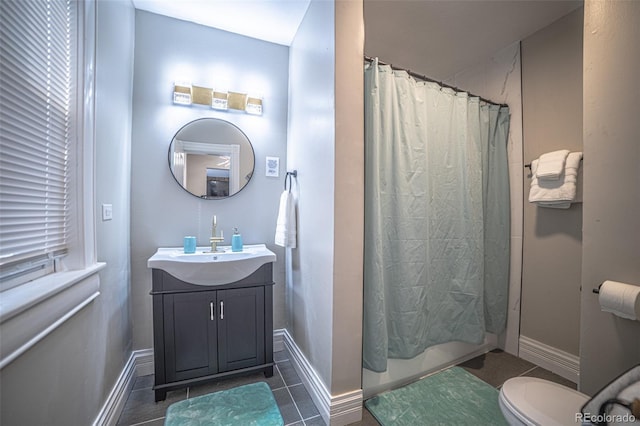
pixel 236 241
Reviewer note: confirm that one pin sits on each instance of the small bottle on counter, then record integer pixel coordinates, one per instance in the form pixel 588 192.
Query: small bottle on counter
pixel 236 241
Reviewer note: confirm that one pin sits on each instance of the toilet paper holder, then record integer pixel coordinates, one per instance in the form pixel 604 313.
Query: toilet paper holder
pixel 620 299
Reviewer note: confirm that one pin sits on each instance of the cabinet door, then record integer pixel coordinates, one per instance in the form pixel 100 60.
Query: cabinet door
pixel 241 328
pixel 190 335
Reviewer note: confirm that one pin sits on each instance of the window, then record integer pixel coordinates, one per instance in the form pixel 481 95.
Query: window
pixel 48 268
pixel 38 83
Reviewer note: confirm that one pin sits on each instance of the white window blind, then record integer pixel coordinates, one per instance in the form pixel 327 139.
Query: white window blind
pixel 37 79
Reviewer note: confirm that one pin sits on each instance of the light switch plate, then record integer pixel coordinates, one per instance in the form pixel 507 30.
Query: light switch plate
pixel 107 212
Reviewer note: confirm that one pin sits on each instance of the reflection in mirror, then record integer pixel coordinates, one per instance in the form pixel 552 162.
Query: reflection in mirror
pixel 211 158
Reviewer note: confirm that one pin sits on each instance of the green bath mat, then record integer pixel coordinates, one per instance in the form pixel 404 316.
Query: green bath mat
pixel 242 406
pixel 450 397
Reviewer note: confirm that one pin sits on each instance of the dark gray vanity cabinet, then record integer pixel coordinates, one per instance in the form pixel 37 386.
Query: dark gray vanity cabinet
pixel 190 339
pixel 241 328
pixel 202 333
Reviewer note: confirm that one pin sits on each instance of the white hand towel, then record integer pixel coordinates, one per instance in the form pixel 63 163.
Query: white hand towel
pixel 286 224
pixel 552 164
pixel 556 193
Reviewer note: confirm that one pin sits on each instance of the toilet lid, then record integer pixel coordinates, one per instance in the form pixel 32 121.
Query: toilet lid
pixel 537 401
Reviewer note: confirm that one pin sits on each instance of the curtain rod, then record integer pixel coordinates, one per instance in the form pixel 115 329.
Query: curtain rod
pixel 425 78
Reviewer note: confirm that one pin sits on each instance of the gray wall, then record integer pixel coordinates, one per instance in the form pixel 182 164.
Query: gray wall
pixel 311 151
pixel 66 378
pixel 611 234
pixel 116 29
pixel 552 238
pixel 162 213
pixel 324 279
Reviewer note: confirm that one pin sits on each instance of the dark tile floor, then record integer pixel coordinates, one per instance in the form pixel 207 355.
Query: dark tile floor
pixel 295 404
pixel 497 366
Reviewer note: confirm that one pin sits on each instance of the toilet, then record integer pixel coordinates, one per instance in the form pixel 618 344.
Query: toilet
pixel 532 401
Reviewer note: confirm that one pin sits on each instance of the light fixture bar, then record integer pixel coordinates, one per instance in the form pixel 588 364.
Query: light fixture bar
pixel 188 94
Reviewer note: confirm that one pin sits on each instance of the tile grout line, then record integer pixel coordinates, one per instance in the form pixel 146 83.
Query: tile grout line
pixel 528 371
pixel 296 404
pixel 303 420
pixel 290 395
pixel 275 389
pixel 311 418
pixel 147 421
pixel 519 375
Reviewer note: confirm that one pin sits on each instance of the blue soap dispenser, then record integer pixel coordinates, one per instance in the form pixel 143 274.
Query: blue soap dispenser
pixel 236 241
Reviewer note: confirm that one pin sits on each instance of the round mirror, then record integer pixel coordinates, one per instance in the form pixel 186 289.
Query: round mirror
pixel 211 158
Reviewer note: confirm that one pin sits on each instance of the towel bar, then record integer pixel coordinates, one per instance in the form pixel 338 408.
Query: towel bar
pixel 528 166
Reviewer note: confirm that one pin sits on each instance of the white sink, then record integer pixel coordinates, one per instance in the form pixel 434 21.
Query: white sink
pixel 206 268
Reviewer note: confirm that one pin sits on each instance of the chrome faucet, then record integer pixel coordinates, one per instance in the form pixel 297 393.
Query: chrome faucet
pixel 214 240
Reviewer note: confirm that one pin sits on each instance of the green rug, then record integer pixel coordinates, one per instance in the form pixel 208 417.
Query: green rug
pixel 450 397
pixel 242 406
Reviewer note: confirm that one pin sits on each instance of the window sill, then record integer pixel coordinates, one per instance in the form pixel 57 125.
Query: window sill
pixel 31 311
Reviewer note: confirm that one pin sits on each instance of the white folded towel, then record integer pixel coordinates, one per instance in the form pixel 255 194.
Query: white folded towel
pixel 286 224
pixel 551 164
pixel 558 193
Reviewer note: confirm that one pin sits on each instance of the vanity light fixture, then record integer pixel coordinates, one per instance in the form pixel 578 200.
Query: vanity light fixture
pixel 237 100
pixel 188 94
pixel 220 99
pixel 201 95
pixel 254 105
pixel 182 93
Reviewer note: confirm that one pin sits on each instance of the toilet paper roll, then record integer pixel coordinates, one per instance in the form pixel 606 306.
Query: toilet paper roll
pixel 620 299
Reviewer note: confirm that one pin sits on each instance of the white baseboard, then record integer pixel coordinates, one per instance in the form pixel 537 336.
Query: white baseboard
pixel 278 340
pixel 336 410
pixel 562 363
pixel 114 404
pixel 144 362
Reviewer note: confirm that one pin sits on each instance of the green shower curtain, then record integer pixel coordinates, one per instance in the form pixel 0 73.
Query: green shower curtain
pixel 436 217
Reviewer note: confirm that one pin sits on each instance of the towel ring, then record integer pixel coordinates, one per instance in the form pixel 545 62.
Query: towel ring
pixel 288 177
